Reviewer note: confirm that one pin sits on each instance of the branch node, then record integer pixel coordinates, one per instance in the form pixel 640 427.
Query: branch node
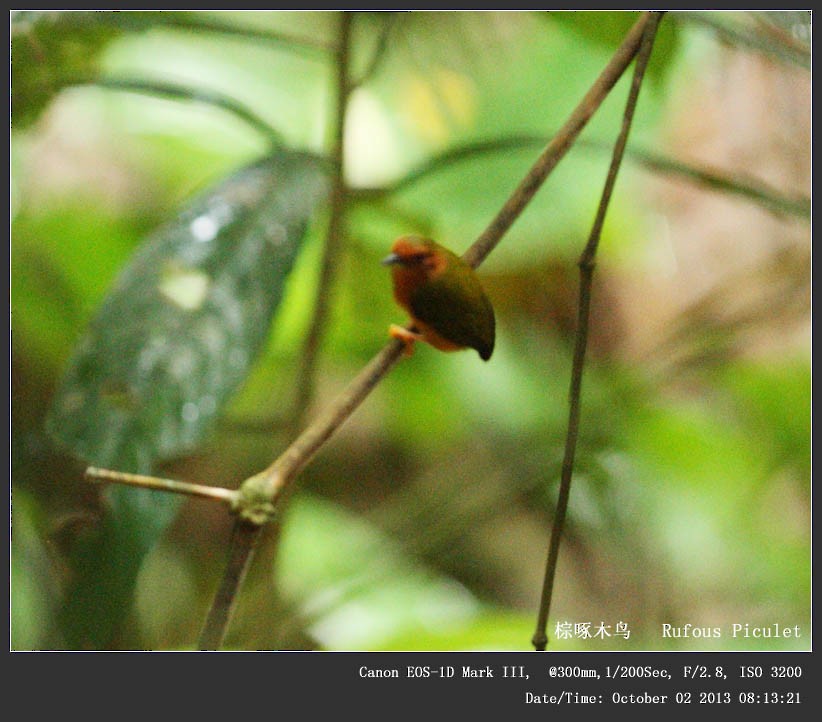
pixel 254 503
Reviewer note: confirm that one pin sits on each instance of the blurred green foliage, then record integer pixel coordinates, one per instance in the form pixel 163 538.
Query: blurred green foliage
pixel 424 523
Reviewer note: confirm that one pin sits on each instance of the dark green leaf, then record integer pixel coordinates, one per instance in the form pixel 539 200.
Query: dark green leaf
pixel 50 50
pixel 171 342
pixel 185 320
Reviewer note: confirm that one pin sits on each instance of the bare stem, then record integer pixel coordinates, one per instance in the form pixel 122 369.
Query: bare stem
pixel 335 234
pixel 244 539
pixel 388 20
pixel 307 46
pixel 174 91
pixel 586 267
pixel 271 483
pixel 273 479
pixel 785 48
pixel 715 179
pixel 217 493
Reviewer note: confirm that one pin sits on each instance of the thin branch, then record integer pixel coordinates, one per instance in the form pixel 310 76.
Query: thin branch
pixel 181 92
pixel 186 21
pixel 244 539
pixel 270 484
pixel 109 476
pixel 271 481
pixel 380 52
pixel 751 189
pixel 586 267
pixel 792 53
pixel 335 233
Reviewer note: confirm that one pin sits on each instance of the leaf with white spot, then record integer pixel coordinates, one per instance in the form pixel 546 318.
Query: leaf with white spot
pixel 169 345
pixel 185 320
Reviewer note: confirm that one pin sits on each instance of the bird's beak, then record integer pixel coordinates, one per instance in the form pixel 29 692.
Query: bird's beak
pixel 391 259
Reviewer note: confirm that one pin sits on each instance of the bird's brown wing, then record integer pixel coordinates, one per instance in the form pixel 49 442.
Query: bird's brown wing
pixel 456 307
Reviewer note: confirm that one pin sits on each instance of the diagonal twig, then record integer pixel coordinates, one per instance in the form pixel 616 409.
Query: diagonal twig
pixel 558 146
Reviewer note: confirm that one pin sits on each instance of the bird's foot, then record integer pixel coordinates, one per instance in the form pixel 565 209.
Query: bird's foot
pixel 404 335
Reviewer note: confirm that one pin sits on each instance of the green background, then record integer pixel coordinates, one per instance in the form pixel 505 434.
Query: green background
pixel 424 523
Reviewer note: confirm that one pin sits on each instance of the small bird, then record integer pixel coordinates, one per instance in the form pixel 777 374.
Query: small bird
pixel 443 295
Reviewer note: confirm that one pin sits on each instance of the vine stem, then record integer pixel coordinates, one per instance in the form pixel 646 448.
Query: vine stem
pixel 714 179
pixel 308 46
pixel 586 269
pixel 174 91
pixel 335 233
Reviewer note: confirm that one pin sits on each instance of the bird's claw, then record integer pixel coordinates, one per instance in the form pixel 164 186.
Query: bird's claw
pixel 403 334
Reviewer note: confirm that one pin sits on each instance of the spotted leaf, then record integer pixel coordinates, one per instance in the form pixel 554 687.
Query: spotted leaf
pixel 185 320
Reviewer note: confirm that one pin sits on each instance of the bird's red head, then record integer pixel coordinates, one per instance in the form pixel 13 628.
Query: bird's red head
pixel 417 254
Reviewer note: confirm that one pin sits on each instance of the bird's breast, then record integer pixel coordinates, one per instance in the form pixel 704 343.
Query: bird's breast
pixel 406 281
